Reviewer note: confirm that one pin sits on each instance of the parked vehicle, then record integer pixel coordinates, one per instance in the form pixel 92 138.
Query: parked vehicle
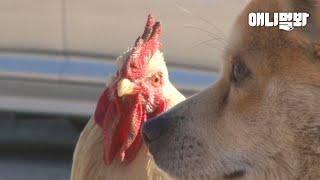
pixel 68 86
pixel 55 55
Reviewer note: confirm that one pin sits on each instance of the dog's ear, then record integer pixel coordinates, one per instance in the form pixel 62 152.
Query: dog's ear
pixel 312 30
pixel 315 24
pixel 317 49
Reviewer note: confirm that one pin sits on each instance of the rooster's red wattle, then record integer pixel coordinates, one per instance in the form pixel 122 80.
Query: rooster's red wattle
pixel 140 89
pixel 121 116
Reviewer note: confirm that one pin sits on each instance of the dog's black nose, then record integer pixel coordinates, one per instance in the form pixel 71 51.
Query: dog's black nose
pixel 153 128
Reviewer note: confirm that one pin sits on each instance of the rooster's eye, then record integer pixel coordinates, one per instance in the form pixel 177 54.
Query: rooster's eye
pixel 156 80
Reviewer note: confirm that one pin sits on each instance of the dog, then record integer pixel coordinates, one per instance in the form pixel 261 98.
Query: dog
pixel 261 119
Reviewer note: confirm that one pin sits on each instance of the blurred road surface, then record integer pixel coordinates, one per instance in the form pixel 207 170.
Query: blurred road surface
pixel 34 165
pixel 39 149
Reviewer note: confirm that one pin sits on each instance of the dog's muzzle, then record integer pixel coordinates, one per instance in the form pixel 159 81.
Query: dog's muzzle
pixel 154 128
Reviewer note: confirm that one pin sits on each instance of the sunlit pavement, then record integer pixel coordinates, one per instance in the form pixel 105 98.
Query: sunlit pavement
pixel 36 149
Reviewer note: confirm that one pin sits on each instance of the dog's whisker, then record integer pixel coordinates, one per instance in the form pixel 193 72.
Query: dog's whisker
pixel 182 9
pixel 212 25
pixel 189 12
pixel 207 43
pixel 209 33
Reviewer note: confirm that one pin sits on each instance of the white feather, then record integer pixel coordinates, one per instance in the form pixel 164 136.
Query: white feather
pixel 88 156
pixel 157 63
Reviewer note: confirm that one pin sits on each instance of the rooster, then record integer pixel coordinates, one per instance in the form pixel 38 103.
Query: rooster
pixel 111 145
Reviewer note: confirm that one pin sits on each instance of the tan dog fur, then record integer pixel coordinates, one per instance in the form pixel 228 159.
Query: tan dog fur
pixel 265 127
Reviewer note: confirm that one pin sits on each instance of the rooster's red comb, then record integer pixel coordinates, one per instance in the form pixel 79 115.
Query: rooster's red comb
pixel 121 118
pixel 144 47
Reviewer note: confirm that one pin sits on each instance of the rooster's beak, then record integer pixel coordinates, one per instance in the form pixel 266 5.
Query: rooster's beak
pixel 125 87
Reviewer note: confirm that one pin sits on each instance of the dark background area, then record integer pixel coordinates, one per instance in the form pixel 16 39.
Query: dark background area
pixel 36 147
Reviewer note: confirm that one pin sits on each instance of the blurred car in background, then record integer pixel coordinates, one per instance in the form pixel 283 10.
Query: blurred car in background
pixel 55 57
pixel 37 83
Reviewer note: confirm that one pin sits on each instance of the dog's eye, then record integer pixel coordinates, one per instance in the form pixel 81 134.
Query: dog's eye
pixel 239 71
